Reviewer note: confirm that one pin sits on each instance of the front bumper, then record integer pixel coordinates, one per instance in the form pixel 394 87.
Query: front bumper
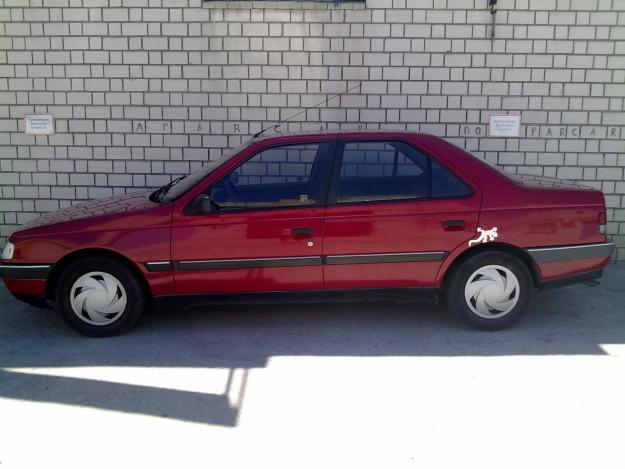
pixel 24 271
pixel 33 300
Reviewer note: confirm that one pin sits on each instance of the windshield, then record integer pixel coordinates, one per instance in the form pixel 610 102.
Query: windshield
pixel 179 186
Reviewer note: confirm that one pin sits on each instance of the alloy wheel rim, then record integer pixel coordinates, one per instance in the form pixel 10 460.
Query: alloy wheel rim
pixel 98 298
pixel 492 291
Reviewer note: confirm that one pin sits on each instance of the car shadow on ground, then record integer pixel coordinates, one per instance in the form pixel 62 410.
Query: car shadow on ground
pixel 570 321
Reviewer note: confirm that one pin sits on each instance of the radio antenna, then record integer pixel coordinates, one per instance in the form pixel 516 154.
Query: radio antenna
pixel 257 134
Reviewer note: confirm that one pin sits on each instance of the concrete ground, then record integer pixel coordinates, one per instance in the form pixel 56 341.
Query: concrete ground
pixel 342 385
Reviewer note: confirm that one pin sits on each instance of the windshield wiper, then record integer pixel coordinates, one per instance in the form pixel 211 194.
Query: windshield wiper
pixel 159 194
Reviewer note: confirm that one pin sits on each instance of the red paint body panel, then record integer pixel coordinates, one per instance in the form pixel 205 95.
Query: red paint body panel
pixel 396 227
pixel 528 212
pixel 533 227
pixel 249 280
pixel 134 202
pixel 131 226
pixel 394 275
pixel 245 235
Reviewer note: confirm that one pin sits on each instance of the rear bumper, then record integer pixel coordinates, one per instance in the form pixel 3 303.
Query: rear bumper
pixel 564 265
pixel 570 279
pixel 572 252
pixel 25 271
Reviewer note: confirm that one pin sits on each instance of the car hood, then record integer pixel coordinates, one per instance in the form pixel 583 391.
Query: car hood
pixel 544 182
pixel 133 202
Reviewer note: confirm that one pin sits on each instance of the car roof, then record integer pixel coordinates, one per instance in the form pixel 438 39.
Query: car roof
pixel 334 132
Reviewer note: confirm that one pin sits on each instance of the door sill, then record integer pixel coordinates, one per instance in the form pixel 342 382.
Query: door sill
pixel 396 295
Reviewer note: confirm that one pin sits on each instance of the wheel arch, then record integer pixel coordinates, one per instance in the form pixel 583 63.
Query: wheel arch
pixel 515 251
pixel 68 259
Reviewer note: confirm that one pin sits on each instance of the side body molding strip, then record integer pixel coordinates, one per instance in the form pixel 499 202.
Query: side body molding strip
pixel 248 263
pixel 385 258
pixel 219 264
pixel 159 266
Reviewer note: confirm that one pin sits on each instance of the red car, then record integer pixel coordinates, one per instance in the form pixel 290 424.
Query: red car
pixel 387 215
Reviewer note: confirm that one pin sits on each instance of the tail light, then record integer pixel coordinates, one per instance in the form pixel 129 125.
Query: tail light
pixel 602 219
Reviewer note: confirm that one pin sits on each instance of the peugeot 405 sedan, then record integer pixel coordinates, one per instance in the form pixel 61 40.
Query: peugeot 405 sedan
pixel 386 215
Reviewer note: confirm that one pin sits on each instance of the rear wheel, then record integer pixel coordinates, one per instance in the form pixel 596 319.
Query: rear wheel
pixel 99 297
pixel 490 290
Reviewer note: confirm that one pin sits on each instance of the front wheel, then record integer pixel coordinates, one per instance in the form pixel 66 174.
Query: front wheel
pixel 99 297
pixel 490 291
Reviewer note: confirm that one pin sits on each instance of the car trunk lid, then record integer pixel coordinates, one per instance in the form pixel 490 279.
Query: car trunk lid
pixel 544 182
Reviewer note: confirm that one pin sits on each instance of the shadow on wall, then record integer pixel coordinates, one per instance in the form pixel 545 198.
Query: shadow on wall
pixel 234 339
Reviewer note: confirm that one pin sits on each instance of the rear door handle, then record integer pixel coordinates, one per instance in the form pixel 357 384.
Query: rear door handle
pixel 302 232
pixel 453 225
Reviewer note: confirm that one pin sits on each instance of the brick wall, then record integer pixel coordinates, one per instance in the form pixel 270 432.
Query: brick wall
pixel 142 90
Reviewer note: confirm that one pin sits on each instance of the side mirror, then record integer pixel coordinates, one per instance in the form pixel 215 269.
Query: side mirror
pixel 201 205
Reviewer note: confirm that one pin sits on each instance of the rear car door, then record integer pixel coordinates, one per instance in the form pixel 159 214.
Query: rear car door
pixel 265 230
pixel 394 213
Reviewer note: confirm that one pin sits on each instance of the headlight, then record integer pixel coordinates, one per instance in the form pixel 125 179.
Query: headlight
pixel 7 252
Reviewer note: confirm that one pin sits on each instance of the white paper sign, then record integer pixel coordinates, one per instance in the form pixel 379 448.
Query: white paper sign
pixel 504 126
pixel 39 124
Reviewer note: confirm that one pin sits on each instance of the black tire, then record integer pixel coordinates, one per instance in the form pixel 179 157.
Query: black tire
pixel 469 310
pixel 123 319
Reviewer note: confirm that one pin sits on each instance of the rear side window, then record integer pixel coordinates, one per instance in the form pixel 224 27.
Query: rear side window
pixel 378 171
pixel 446 184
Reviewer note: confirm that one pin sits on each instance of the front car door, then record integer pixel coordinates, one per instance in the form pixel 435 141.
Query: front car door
pixel 393 215
pixel 265 230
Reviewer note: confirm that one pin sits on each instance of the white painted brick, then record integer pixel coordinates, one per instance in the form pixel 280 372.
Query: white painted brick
pixel 436 16
pixel 242 15
pixel 75 14
pixel 115 14
pixel 431 73
pixel 36 14
pixel 195 43
pixel 458 31
pixel 312 16
pixel 372 115
pixel 336 30
pixel 56 29
pixel 604 18
pixel 255 29
pixel 295 58
pixel 377 30
pixel 315 44
pixel 395 73
pixel 137 29
pixel 396 45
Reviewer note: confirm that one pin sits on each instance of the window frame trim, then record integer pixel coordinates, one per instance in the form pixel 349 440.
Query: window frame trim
pixel 326 157
pixel 332 199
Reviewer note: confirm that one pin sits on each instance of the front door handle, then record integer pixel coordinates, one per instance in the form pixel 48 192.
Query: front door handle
pixel 302 232
pixel 453 225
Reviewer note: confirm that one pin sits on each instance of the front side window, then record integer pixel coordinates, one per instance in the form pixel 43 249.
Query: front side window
pixel 378 171
pixel 181 185
pixel 283 176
